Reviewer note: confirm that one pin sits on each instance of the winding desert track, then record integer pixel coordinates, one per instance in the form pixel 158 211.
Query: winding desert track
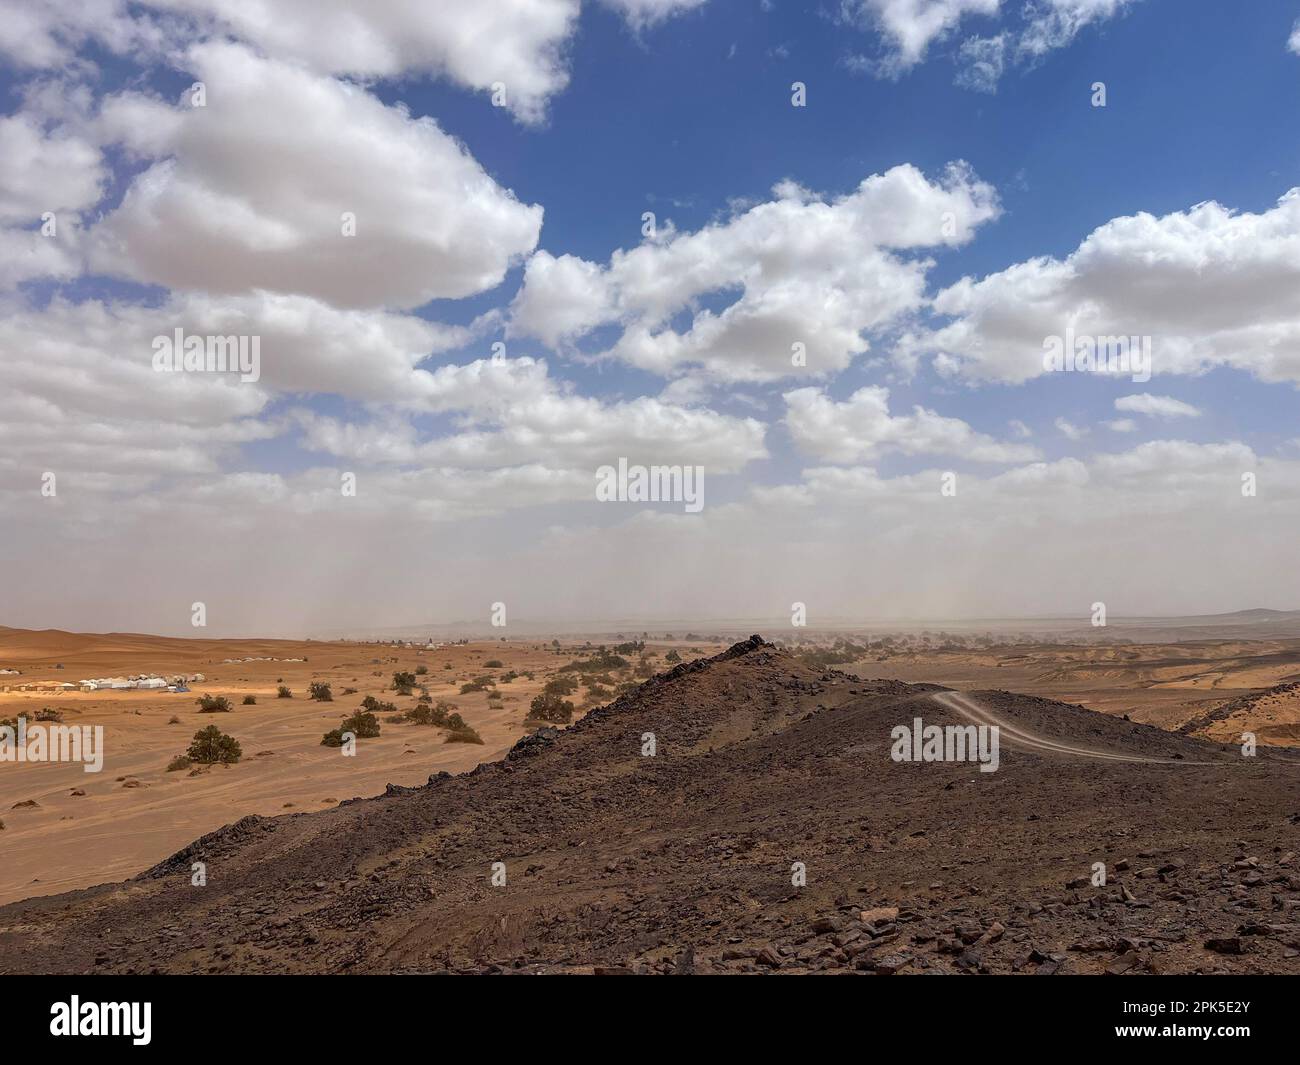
pixel 1020 737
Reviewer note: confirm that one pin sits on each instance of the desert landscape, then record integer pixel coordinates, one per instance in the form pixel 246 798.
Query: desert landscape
pixel 678 860
pixel 66 828
pixel 649 487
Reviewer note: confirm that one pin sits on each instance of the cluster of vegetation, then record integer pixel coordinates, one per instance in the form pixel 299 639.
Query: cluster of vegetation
pixel 362 725
pixel 320 692
pixel 250 700
pixel 45 713
pixel 209 747
pixel 551 708
pixel 839 653
pixel 634 648
pixel 373 706
pixel 478 684
pixel 602 661
pixel 430 713
pixel 493 663
pixel 459 732
pixel 672 656
pixel 561 686
pixel 442 714
pixel 404 683
pixel 283 692
pixel 213 704
pixel 421 670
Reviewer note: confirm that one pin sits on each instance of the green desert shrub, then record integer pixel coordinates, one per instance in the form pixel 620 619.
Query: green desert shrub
pixel 181 761
pixel 250 700
pixel 436 714
pixel 459 732
pixel 213 704
pixel 320 691
pixel 333 738
pixel 211 745
pixel 549 707
pixel 560 686
pixel 283 692
pixel 361 724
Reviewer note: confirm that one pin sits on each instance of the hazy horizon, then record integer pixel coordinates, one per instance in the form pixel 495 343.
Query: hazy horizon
pixel 772 627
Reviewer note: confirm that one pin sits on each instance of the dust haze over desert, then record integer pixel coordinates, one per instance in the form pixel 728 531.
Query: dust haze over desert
pixel 649 487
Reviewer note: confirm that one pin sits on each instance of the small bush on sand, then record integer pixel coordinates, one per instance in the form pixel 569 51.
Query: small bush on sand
pixel 361 724
pixel 283 692
pixel 181 761
pixel 403 683
pixel 459 732
pixel 250 700
pixel 436 714
pixel 478 684
pixel 549 707
pixel 211 745
pixel 213 704
pixel 561 686
pixel 320 691
pixel 365 725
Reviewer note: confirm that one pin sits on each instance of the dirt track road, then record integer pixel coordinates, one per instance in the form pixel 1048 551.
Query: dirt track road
pixel 1017 736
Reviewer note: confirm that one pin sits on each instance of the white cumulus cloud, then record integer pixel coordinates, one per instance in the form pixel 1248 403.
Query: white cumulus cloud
pixel 861 427
pixel 796 270
pixel 254 186
pixel 1209 286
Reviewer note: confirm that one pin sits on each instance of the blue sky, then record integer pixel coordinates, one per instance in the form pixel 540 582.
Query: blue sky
pixel 686 117
pixel 481 223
